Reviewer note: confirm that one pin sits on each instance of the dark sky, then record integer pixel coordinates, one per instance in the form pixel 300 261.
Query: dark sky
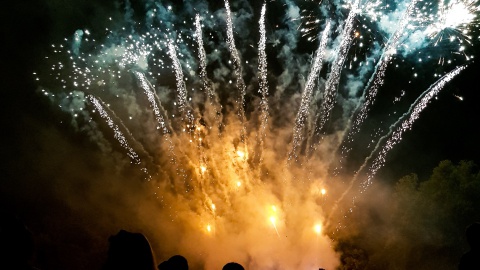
pixel 33 138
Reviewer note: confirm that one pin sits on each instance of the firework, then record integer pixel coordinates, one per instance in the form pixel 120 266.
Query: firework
pixel 189 100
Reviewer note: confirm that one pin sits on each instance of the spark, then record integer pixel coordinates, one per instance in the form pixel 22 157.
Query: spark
pixel 241 154
pixel 197 140
pixel 273 221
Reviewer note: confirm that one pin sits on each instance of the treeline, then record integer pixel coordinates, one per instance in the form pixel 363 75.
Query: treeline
pixel 419 224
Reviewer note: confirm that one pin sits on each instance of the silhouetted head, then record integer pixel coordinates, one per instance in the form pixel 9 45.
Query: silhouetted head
pixel 178 262
pixel 473 235
pixel 129 251
pixel 233 266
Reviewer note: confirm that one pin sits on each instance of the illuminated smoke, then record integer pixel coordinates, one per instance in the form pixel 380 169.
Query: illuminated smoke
pixel 211 197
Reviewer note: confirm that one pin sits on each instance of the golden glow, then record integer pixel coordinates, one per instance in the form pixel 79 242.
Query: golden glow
pixel 241 154
pixel 272 220
pixel 318 228
pixel 209 228
pixel 203 168
pixel 213 207
pixel 323 191
pixel 239 183
pixel 274 208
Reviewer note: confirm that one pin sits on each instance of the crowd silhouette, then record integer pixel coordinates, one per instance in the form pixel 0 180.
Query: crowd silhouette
pixel 132 251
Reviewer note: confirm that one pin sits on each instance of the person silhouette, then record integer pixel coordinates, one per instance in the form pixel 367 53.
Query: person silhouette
pixel 176 262
pixel 129 251
pixel 233 266
pixel 471 259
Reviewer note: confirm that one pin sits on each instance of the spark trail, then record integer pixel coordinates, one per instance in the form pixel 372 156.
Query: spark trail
pixel 202 56
pixel 377 79
pixel 214 108
pixel 395 136
pixel 117 133
pixel 331 86
pixel 183 105
pixel 207 187
pixel 237 64
pixel 414 113
pixel 262 72
pixel 152 98
pixel 304 110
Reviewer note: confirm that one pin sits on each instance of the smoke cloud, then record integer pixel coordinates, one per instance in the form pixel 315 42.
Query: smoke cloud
pixel 202 188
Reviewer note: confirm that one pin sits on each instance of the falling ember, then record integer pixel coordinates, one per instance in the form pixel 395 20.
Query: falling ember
pixel 199 136
pixel 273 221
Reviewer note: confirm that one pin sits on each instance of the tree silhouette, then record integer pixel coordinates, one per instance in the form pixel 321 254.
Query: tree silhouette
pixel 421 224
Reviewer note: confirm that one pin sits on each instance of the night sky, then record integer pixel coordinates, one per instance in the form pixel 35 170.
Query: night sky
pixel 45 160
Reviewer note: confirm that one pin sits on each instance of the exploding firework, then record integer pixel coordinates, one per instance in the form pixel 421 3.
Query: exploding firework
pixel 235 152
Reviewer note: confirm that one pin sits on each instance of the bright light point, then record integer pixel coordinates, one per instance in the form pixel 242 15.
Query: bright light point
pixel 458 14
pixel 272 220
pixel 240 154
pixel 242 132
